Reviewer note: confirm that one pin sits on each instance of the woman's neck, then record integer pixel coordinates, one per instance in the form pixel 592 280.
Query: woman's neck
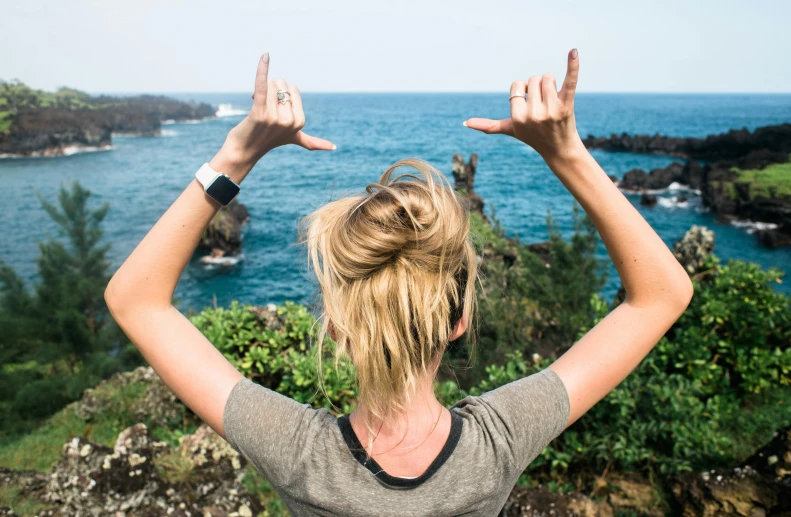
pixel 406 431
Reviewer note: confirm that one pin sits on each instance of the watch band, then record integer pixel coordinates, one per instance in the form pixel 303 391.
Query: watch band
pixel 206 175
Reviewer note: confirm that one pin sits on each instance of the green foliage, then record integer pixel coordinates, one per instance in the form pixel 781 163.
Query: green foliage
pixel 61 339
pixel 535 298
pixel 281 359
pixel 774 179
pixel 736 334
pixel 16 95
pixel 712 391
pixel 21 505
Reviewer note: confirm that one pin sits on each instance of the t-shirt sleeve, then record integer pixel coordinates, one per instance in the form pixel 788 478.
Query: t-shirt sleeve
pixel 529 413
pixel 269 429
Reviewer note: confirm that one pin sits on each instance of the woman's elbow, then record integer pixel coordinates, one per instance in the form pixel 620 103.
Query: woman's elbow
pixel 682 293
pixel 112 297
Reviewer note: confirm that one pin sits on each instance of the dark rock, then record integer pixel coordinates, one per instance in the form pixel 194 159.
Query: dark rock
pixel 726 146
pixel 632 494
pixel 762 486
pixel 638 179
pixel 717 182
pixel 774 238
pixel 614 179
pixel 681 199
pixel 648 200
pixel 694 248
pixel 47 131
pixel 540 502
pixel 224 234
pixel 464 183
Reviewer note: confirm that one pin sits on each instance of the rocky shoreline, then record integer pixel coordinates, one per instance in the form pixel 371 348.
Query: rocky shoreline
pixel 36 123
pixel 720 178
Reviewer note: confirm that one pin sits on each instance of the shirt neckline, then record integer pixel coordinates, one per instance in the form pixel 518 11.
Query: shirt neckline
pixel 358 451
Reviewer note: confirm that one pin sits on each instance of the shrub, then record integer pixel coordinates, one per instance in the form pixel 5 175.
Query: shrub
pixel 534 298
pixel 711 392
pixel 279 355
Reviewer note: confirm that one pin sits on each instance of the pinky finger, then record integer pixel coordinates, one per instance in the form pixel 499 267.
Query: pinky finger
pixel 312 143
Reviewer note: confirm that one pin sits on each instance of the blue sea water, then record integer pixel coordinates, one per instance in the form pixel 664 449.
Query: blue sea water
pixel 141 176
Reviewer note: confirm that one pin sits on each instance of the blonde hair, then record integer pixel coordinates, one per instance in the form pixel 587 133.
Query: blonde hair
pixel 396 269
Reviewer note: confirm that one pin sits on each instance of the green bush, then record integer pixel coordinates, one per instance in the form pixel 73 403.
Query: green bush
pixel 281 359
pixel 534 298
pixel 712 391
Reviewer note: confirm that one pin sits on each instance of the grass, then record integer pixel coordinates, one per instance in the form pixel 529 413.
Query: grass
pixel 40 448
pixel 9 497
pixel 775 177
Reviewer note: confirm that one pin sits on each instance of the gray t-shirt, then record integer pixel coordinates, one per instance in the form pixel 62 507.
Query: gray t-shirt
pixel 315 462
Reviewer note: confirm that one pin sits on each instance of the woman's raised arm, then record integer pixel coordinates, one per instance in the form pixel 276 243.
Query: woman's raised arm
pixel 139 294
pixel 658 289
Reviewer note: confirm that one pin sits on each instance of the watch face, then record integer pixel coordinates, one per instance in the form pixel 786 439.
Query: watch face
pixel 223 190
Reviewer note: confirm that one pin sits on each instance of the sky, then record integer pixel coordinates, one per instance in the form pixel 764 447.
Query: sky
pixel 165 46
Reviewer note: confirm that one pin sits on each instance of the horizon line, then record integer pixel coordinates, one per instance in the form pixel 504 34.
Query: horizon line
pixel 430 92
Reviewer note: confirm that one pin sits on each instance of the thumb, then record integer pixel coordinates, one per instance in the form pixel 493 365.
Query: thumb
pixel 312 143
pixel 491 127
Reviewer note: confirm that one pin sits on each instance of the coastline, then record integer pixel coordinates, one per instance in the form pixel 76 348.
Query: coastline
pixel 740 175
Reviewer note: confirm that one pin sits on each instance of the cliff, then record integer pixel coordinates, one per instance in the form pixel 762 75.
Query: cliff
pixel 746 175
pixel 37 123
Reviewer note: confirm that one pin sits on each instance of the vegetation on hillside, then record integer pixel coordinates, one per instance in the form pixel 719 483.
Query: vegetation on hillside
pixel 712 391
pixel 772 181
pixel 59 339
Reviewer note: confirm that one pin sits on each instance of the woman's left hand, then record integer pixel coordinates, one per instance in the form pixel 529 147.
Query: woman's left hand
pixel 272 122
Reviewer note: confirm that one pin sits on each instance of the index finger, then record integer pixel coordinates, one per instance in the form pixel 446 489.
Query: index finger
pixel 259 94
pixel 570 82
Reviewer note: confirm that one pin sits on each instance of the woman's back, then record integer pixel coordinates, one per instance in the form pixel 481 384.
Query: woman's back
pixel 318 466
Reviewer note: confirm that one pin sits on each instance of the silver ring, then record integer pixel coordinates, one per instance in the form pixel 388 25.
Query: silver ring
pixel 281 95
pixel 515 96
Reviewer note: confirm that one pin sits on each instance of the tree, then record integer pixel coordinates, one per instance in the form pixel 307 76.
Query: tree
pixel 70 294
pixel 61 339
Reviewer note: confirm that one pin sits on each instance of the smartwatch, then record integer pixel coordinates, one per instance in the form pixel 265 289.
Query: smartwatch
pixel 217 186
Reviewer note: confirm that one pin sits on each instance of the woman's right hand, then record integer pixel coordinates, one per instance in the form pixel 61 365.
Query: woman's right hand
pixel 544 120
pixel 271 123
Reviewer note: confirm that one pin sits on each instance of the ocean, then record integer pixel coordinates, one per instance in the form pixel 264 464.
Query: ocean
pixel 141 176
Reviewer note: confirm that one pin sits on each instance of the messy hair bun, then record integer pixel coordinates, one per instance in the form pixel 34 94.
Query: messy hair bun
pixel 397 270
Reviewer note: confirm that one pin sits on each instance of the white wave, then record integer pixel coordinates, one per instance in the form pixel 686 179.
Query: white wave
pixel 227 110
pixel 753 226
pixel 225 261
pixel 169 132
pixel 68 150
pixel 673 187
pixel 188 121
pixel 671 202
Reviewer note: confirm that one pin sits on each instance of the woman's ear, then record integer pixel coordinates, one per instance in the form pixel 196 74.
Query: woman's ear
pixel 459 329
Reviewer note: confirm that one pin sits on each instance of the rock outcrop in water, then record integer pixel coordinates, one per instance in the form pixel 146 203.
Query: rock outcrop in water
pixel 464 182
pixel 719 181
pixel 37 123
pixel 223 236
pixel 732 145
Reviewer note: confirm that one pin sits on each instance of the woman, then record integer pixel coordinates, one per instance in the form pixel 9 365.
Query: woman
pixel 397 274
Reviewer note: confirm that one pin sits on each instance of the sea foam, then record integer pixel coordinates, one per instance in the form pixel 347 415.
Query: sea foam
pixel 227 110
